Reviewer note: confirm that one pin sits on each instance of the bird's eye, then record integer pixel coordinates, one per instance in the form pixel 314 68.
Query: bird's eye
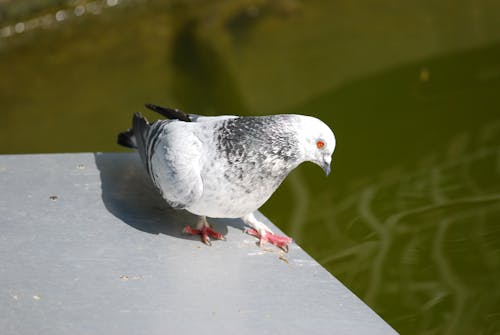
pixel 320 144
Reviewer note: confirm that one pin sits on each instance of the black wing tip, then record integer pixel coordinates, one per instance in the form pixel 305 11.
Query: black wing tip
pixel 153 106
pixel 169 113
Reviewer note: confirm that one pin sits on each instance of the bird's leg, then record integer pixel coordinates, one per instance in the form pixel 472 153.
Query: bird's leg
pixel 264 234
pixel 204 229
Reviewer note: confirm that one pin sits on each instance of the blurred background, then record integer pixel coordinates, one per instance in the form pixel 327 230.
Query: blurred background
pixel 410 217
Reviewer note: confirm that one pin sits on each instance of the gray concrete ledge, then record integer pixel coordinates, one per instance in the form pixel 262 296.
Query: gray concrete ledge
pixel 88 247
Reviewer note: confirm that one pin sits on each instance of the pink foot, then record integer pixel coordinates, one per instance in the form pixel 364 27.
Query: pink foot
pixel 205 232
pixel 281 242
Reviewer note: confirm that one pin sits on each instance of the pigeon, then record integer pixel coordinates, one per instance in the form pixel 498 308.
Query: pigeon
pixel 226 166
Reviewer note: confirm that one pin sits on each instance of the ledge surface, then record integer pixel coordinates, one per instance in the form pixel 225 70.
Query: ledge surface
pixel 87 246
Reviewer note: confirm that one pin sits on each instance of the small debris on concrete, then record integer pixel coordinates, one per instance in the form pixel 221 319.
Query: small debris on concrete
pixel 53 197
pixel 283 258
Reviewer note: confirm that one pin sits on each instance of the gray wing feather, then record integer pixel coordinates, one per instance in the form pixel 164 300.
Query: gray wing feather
pixel 175 164
pixel 171 153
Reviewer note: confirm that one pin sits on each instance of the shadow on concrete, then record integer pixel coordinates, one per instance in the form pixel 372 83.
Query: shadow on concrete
pixel 129 195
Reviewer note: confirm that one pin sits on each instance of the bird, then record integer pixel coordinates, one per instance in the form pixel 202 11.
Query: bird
pixel 226 166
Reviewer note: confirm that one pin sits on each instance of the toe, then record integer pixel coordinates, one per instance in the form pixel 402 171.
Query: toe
pixel 215 234
pixel 281 242
pixel 191 231
pixel 205 232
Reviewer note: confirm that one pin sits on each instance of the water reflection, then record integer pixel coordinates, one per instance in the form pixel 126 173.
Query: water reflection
pixel 46 20
pixel 424 245
pixel 201 80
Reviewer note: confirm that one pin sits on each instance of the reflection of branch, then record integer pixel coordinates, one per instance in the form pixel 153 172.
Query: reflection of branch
pixel 434 300
pixel 358 249
pixel 385 242
pixel 301 201
pixel 395 218
pixel 344 204
pixel 446 272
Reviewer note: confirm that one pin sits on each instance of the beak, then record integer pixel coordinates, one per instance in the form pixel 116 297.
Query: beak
pixel 326 167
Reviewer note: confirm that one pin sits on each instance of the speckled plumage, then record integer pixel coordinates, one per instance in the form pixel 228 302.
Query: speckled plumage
pixel 228 166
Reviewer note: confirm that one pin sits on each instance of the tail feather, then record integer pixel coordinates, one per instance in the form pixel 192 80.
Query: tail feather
pixel 135 138
pixel 127 139
pixel 140 128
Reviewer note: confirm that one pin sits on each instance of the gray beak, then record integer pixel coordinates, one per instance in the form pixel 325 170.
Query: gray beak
pixel 326 167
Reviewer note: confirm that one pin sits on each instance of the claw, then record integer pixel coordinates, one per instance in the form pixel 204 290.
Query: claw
pixel 253 232
pixel 205 239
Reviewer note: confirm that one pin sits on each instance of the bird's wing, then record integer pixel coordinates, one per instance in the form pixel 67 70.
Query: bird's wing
pixel 175 156
pixel 170 113
pixel 176 114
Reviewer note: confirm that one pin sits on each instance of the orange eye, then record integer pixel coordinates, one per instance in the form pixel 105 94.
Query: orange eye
pixel 320 144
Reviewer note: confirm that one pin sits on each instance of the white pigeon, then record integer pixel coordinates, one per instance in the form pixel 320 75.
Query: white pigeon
pixel 226 166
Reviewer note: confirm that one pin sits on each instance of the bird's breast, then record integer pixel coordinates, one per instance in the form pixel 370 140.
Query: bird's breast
pixel 233 192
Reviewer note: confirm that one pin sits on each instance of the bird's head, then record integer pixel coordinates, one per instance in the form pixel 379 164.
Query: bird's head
pixel 318 142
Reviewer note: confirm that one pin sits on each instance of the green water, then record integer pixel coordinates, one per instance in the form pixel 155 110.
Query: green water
pixel 410 217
